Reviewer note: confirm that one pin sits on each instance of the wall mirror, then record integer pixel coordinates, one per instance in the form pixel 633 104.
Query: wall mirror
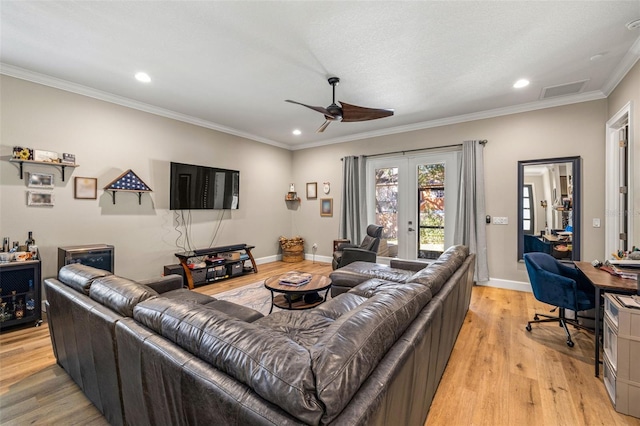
pixel 549 207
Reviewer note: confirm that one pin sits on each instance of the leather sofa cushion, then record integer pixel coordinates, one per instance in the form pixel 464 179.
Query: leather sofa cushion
pixel 186 295
pixel 358 272
pixel 438 272
pixel 303 327
pixel 243 313
pixel 351 348
pixel 80 277
pixel 272 364
pixel 119 294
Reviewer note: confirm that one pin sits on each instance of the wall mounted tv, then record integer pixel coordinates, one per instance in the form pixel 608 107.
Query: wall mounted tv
pixel 199 187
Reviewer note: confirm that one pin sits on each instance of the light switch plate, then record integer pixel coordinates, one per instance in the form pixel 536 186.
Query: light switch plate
pixel 497 220
pixel 596 222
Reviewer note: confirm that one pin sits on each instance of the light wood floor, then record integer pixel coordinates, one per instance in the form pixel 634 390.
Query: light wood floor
pixel 498 374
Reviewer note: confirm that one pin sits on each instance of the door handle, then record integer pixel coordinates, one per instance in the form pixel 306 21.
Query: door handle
pixel 411 229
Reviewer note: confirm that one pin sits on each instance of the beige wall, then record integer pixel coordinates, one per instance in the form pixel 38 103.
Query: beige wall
pixel 107 140
pixel 555 132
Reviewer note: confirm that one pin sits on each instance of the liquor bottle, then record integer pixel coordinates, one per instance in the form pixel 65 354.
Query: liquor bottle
pixel 19 310
pixel 30 241
pixel 31 303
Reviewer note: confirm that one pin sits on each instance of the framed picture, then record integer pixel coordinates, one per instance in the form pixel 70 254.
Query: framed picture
pixel 40 180
pixel 38 198
pixel 85 188
pixel 312 190
pixel 326 207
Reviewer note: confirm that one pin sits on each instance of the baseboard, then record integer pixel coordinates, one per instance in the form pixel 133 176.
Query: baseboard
pixel 507 284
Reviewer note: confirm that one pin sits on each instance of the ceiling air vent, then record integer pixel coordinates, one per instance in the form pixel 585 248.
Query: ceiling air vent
pixel 563 89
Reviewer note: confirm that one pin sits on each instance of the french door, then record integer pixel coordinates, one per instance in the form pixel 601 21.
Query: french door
pixel 414 198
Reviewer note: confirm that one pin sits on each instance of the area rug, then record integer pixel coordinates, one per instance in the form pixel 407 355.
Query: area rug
pixel 254 296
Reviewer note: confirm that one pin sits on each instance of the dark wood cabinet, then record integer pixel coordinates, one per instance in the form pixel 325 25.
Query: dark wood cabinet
pixel 20 290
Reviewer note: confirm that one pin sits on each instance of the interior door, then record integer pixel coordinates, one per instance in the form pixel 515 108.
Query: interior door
pixel 414 199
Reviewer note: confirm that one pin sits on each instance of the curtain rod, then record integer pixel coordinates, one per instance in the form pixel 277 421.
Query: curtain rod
pixel 482 142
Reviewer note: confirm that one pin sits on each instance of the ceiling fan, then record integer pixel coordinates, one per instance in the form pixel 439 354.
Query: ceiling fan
pixel 346 112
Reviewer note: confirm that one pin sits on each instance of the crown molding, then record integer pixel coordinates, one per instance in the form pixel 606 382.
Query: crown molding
pixel 628 61
pixel 57 83
pixel 626 64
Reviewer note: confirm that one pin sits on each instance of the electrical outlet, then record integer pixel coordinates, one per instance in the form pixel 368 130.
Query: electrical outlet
pixel 315 246
pixel 596 222
pixel 497 220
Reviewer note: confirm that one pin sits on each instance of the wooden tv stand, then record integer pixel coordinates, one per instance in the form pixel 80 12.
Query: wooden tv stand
pixel 214 251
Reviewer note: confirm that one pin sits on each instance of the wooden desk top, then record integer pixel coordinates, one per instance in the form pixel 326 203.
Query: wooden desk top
pixel 605 281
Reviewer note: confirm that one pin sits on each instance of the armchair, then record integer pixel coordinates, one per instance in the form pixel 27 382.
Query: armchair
pixel 366 251
pixel 559 285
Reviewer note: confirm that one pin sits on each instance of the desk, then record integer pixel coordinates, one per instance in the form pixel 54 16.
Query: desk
pixel 604 282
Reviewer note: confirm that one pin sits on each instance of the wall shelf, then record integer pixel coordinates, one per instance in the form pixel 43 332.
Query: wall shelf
pixel 62 166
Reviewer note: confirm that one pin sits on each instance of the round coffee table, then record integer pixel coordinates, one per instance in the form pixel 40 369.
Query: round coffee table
pixel 291 297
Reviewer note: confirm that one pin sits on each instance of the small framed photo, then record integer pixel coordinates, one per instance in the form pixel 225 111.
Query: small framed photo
pixel 85 188
pixel 40 180
pixel 326 207
pixel 39 198
pixel 312 190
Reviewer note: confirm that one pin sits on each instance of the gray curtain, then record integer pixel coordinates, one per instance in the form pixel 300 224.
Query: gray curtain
pixel 470 221
pixel 353 210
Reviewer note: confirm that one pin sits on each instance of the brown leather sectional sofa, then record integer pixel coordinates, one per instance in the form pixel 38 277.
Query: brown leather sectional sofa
pixel 372 355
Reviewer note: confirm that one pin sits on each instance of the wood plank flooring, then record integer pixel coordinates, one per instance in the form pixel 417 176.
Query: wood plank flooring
pixel 498 374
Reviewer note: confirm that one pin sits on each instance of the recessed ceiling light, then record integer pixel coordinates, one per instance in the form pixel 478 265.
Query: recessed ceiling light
pixel 597 57
pixel 521 83
pixel 634 25
pixel 143 77
pixel 297 132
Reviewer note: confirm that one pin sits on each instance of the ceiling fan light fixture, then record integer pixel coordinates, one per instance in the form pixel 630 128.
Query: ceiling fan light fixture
pixel 521 83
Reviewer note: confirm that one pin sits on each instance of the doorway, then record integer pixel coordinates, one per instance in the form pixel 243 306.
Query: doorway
pixel 414 199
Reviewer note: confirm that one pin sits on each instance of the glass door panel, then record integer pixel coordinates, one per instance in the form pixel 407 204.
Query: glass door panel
pixel 406 196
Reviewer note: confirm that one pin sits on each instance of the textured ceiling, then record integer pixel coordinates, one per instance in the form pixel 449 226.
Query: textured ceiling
pixel 230 65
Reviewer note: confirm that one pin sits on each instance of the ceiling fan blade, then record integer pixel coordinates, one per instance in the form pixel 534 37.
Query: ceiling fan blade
pixel 358 113
pixel 324 126
pixel 315 108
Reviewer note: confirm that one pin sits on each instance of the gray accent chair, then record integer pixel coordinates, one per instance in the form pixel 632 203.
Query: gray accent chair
pixel 365 252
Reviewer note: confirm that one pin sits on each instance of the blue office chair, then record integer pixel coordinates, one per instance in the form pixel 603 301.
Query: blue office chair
pixel 559 285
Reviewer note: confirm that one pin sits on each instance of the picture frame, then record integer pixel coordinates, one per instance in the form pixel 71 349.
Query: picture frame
pixel 85 188
pixel 312 190
pixel 40 180
pixel 40 198
pixel 326 207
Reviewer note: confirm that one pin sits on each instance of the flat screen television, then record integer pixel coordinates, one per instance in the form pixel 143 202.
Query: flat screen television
pixel 200 187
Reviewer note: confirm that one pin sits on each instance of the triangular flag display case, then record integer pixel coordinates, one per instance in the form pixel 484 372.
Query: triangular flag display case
pixel 127 182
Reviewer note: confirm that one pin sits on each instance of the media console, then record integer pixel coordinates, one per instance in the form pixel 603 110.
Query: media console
pixel 227 267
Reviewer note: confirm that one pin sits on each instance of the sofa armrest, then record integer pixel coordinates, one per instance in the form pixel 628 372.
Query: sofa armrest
pixel 410 265
pixel 350 255
pixel 165 283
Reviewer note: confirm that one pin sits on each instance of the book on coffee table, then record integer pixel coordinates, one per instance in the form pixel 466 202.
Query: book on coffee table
pixel 295 278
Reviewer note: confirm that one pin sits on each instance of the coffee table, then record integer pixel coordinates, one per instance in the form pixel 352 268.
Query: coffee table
pixel 290 297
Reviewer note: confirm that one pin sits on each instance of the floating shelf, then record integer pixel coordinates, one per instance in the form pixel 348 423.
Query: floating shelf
pixel 42 163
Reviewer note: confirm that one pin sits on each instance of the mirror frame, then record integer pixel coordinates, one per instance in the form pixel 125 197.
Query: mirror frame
pixel 577 201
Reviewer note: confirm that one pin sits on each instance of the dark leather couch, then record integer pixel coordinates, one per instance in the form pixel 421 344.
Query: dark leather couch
pixel 372 355
pixel 83 306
